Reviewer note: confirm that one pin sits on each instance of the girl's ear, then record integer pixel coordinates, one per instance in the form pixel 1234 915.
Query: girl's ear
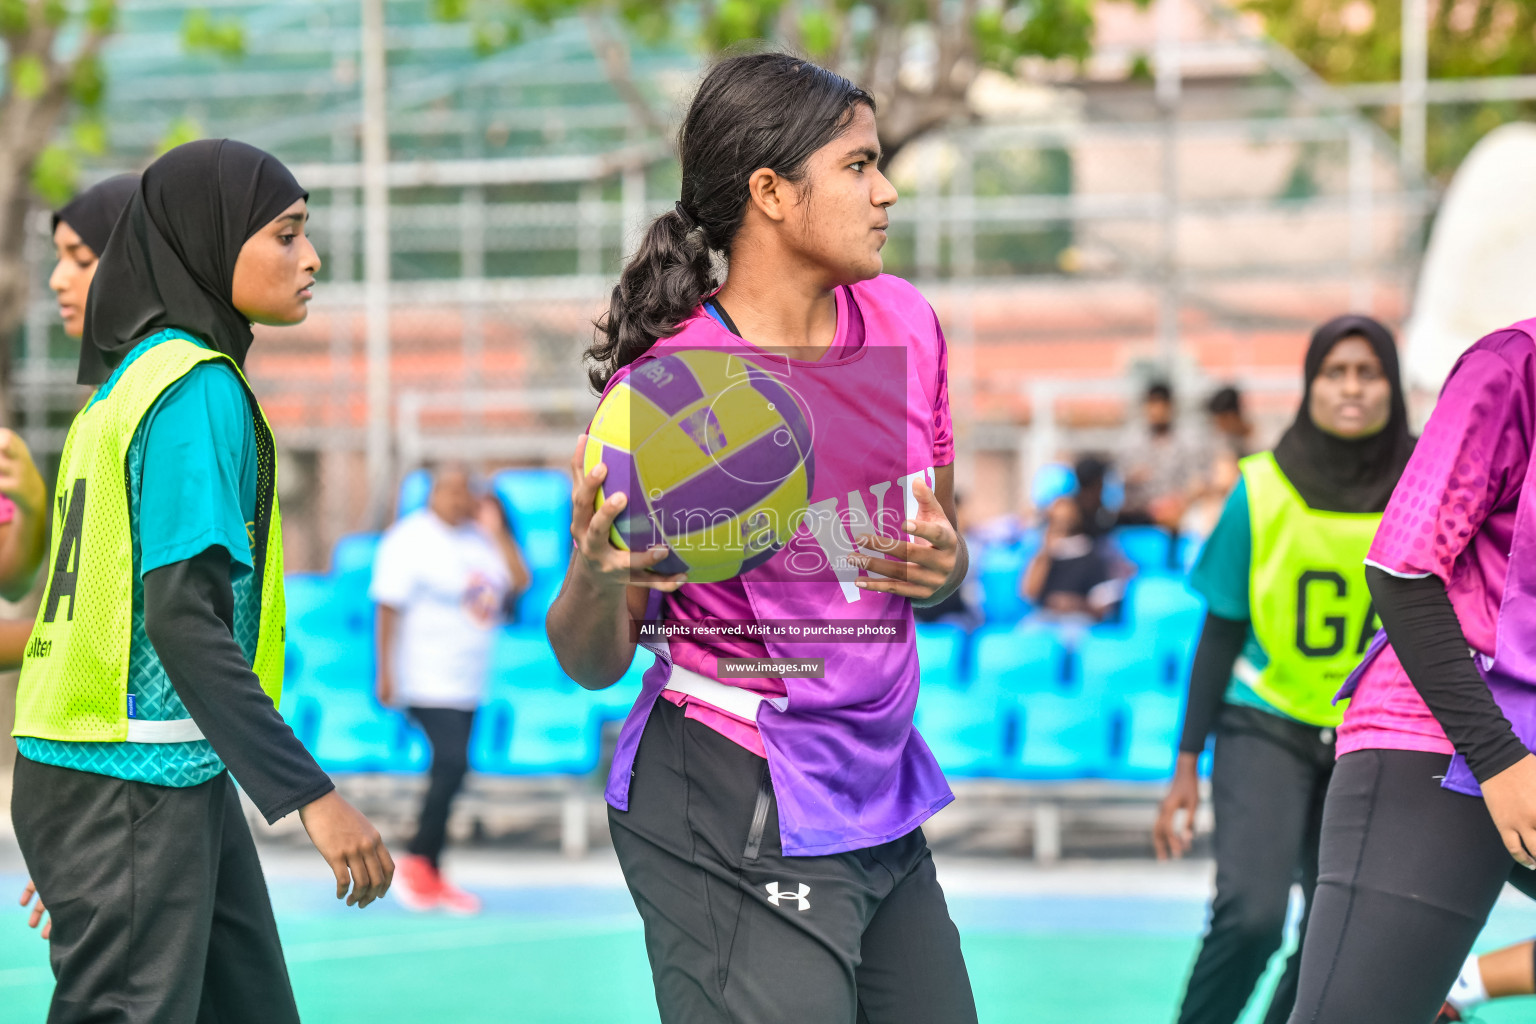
pixel 769 193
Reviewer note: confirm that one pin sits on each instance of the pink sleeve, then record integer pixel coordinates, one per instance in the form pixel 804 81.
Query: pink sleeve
pixel 7 509
pixel 1470 460
pixel 943 426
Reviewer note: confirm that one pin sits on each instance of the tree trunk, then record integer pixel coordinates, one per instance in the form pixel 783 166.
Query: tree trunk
pixel 27 123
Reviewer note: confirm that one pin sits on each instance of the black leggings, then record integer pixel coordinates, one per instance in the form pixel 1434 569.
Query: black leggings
pixel 736 931
pixel 1408 872
pixel 447 730
pixel 1267 788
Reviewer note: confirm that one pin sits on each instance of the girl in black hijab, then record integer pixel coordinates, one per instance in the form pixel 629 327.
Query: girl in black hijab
pixel 212 239
pixel 80 232
pixel 1288 617
pixel 1347 474
pixel 171 260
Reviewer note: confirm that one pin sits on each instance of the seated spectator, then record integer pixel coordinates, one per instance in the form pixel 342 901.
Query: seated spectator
pixel 1074 575
pixel 1229 423
pixel 1233 440
pixel 1164 470
pixel 963 606
pixel 1092 474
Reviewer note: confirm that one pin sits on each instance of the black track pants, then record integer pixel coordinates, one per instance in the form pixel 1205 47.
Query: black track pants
pixel 447 731
pixel 1408 872
pixel 737 933
pixel 1268 782
pixel 160 911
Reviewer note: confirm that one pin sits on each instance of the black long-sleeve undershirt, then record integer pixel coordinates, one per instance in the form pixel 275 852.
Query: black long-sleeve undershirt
pixel 1427 637
pixel 189 612
pixel 1221 641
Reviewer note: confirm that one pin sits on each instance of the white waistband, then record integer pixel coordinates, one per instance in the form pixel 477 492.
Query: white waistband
pixel 177 730
pixel 738 701
pixel 1246 672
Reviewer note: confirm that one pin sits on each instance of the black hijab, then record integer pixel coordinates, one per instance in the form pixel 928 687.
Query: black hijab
pixel 93 212
pixel 1333 474
pixel 171 259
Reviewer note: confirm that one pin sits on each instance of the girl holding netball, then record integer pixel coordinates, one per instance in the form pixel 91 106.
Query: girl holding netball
pixel 1432 806
pixel 769 828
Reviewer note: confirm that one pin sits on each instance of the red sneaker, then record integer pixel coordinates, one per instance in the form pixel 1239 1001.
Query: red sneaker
pixel 417 883
pixel 455 900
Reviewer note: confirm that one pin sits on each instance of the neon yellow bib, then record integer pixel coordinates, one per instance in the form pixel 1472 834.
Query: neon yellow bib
pixel 74 678
pixel 1310 608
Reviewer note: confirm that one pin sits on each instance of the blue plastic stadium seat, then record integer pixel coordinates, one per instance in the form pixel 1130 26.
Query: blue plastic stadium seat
pixel 613 703
pixel 1189 550
pixel 536 721
pixel 317 659
pixel 1148 548
pixel 353 555
pixel 535 732
pixel 1025 659
pixel 999 567
pixel 538 504
pixel 1061 737
pixel 413 492
pixel 1155 599
pixel 940 652
pixel 347 731
pixel 306 594
pixel 1151 735
pixel 966 728
pixel 1110 663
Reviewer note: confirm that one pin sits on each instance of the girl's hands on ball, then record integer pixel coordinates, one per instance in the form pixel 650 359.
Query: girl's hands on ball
pixel 591 527
pixel 918 568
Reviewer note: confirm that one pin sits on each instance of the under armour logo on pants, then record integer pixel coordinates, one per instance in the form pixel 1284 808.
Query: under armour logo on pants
pixel 774 895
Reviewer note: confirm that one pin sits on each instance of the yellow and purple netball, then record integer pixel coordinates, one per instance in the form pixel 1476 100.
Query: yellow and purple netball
pixel 714 455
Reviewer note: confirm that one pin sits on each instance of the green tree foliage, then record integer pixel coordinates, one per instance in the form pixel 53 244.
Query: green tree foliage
pixel 918 57
pixel 52 61
pixel 50 121
pixel 1349 41
pixel 201 32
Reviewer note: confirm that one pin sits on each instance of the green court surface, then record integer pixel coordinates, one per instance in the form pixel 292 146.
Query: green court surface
pixel 572 954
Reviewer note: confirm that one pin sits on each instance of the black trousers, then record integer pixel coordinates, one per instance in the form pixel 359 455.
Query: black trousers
pixel 447 731
pixel 1268 782
pixel 736 932
pixel 1408 872
pixel 160 911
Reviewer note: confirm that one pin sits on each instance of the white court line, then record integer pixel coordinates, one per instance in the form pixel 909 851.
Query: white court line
pixel 385 945
pixel 25 976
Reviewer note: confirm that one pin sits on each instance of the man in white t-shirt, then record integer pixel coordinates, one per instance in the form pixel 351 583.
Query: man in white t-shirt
pixel 444 578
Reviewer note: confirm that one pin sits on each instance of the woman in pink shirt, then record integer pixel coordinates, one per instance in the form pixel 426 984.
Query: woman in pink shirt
pixel 769 828
pixel 1432 805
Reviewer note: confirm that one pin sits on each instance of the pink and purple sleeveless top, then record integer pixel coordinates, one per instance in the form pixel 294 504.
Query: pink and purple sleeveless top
pixel 1463 512
pixel 848 768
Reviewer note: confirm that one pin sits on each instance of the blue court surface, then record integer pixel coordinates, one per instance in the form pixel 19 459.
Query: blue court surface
pixel 560 943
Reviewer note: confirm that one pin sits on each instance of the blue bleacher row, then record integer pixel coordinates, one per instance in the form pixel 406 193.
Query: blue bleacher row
pixel 1015 699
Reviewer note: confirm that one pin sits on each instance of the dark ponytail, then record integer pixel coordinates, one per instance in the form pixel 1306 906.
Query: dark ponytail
pixel 756 110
